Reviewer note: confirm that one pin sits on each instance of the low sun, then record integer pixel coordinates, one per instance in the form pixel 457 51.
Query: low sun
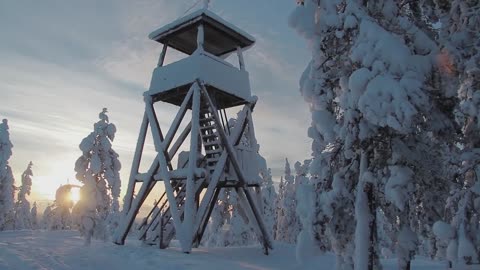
pixel 75 195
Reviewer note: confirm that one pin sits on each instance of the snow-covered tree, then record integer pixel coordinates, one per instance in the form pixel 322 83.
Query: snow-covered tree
pixel 48 218
pixel 98 170
pixel 239 233
pixel 279 215
pixel 460 60
pixel 58 215
pixel 215 234
pixel 374 91
pixel 287 225
pixel 269 197
pixel 22 208
pixel 34 216
pixel 6 179
pixel 306 247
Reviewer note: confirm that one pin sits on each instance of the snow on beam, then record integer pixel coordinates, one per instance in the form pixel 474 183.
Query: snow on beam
pixel 181 174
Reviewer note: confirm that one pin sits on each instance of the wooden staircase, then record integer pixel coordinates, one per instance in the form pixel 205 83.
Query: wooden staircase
pixel 210 139
pixel 158 228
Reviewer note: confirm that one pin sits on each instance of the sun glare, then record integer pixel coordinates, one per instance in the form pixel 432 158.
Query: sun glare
pixel 75 195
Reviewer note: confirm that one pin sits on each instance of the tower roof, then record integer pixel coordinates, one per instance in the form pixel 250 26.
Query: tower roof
pixel 221 37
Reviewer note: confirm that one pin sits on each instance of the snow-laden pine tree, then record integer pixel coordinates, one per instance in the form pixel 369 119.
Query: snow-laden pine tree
pixel 215 235
pixel 48 218
pixel 6 179
pixel 306 246
pixel 460 59
pixel 239 233
pixel 287 225
pixel 374 95
pixel 23 217
pixel 279 215
pixel 34 216
pixel 269 197
pixel 98 170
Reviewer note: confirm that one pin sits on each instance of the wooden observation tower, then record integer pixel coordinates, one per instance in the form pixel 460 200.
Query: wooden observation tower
pixel 220 156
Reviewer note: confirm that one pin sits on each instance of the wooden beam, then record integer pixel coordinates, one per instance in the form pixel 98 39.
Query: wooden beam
pixel 241 61
pixel 125 226
pixel 178 119
pixel 215 178
pixel 179 141
pixel 137 158
pixel 156 130
pixel 161 59
pixel 189 217
pixel 200 37
pixel 169 190
pixel 182 174
pixel 203 225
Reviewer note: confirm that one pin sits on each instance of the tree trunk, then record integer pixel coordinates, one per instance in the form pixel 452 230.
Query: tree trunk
pixel 374 261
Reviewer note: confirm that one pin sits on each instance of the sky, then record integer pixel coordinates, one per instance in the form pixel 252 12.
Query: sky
pixel 62 61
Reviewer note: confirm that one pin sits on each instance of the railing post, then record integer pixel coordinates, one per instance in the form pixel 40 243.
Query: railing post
pixel 200 37
pixel 161 60
pixel 241 61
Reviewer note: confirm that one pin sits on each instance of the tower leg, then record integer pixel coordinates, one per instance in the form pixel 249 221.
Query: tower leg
pixel 125 226
pixel 190 209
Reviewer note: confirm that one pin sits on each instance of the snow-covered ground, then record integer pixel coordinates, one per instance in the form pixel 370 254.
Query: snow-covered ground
pixel 64 250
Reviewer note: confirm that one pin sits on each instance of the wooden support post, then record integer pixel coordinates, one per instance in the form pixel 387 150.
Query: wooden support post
pixel 161 60
pixel 241 61
pixel 251 133
pixel 189 217
pixel 137 158
pixel 180 140
pixel 169 190
pixel 200 37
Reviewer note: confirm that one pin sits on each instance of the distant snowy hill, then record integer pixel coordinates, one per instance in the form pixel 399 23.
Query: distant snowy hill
pixel 64 250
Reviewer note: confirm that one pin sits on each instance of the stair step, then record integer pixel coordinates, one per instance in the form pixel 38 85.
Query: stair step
pixel 214 151
pixel 207 128
pixel 207 119
pixel 212 143
pixel 211 135
pixel 213 159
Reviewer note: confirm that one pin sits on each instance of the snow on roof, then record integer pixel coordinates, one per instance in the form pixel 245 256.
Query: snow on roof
pixel 224 36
